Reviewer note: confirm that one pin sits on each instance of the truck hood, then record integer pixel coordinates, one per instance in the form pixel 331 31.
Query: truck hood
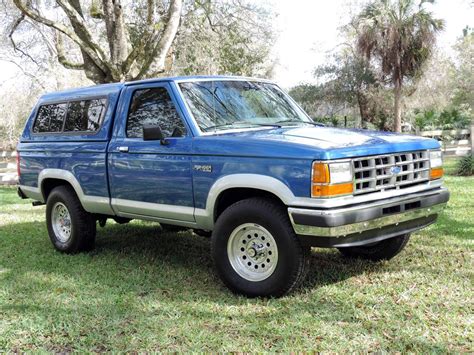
pixel 323 142
pixel 333 138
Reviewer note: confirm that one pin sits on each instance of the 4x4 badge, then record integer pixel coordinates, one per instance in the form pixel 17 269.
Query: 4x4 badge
pixel 203 168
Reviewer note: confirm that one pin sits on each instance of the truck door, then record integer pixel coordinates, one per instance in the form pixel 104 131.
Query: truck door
pixel 148 178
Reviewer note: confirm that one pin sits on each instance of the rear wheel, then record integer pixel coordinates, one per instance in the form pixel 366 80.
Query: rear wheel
pixel 383 250
pixel 256 251
pixel 70 228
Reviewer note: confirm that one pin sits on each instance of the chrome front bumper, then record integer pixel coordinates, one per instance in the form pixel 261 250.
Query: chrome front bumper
pixel 362 223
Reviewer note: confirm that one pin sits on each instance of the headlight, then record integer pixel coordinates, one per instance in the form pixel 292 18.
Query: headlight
pixel 331 179
pixel 436 164
pixel 340 172
pixel 436 158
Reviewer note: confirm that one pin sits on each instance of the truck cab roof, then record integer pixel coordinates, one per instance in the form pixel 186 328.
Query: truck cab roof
pixel 105 89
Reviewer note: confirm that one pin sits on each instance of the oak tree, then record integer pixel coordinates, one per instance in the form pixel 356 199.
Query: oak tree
pixel 119 40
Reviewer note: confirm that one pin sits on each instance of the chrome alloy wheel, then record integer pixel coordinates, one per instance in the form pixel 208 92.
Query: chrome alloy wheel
pixel 252 252
pixel 61 222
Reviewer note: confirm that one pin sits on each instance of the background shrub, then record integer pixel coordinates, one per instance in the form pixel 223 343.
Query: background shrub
pixel 466 166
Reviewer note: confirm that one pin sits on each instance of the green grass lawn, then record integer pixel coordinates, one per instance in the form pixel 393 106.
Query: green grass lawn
pixel 146 290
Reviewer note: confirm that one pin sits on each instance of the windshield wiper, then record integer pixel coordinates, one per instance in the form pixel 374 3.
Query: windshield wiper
pixel 240 124
pixel 298 121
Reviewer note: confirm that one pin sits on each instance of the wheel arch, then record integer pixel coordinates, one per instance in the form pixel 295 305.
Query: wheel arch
pixel 232 188
pixel 235 194
pixel 48 184
pixel 48 179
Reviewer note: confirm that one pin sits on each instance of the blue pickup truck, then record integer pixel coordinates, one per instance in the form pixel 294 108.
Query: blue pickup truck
pixel 232 158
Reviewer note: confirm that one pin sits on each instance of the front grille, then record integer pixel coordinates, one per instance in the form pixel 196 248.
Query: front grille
pixel 390 171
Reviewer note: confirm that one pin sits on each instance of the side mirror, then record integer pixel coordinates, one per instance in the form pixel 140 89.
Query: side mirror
pixel 153 133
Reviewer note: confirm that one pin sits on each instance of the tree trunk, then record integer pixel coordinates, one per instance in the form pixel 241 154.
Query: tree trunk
pixel 116 35
pixel 472 137
pixel 366 114
pixel 155 63
pixel 363 110
pixel 397 125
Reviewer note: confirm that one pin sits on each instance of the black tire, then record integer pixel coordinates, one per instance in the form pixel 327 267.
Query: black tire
pixel 383 250
pixel 293 258
pixel 83 224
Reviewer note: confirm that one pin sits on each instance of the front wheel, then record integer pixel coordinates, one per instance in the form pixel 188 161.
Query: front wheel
pixel 256 251
pixel 383 250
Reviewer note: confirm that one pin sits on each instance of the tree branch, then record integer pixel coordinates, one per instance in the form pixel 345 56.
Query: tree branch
pixel 62 55
pixel 137 50
pixel 150 35
pixel 34 15
pixel 49 43
pixel 150 12
pixel 32 76
pixel 155 62
pixel 80 27
pixel 16 24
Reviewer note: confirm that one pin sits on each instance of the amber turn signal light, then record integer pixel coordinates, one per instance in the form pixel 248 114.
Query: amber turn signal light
pixel 332 190
pixel 436 173
pixel 321 173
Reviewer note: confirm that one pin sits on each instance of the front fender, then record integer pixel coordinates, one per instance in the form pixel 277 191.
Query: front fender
pixel 205 217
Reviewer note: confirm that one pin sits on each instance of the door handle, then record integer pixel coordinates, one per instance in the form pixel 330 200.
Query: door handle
pixel 122 149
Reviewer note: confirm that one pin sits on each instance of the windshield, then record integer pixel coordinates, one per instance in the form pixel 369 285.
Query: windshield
pixel 222 105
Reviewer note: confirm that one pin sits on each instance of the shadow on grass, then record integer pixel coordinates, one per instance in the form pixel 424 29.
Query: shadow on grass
pixel 138 278
pixel 192 252
pixel 179 257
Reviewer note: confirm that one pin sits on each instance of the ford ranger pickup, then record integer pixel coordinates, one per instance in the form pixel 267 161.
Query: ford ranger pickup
pixel 232 158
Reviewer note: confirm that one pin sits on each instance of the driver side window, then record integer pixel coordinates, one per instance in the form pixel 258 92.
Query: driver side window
pixel 154 107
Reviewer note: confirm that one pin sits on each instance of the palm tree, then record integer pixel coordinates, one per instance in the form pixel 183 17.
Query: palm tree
pixel 398 36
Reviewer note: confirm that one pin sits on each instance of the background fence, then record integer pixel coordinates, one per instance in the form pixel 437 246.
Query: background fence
pixel 8 175
pixel 456 142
